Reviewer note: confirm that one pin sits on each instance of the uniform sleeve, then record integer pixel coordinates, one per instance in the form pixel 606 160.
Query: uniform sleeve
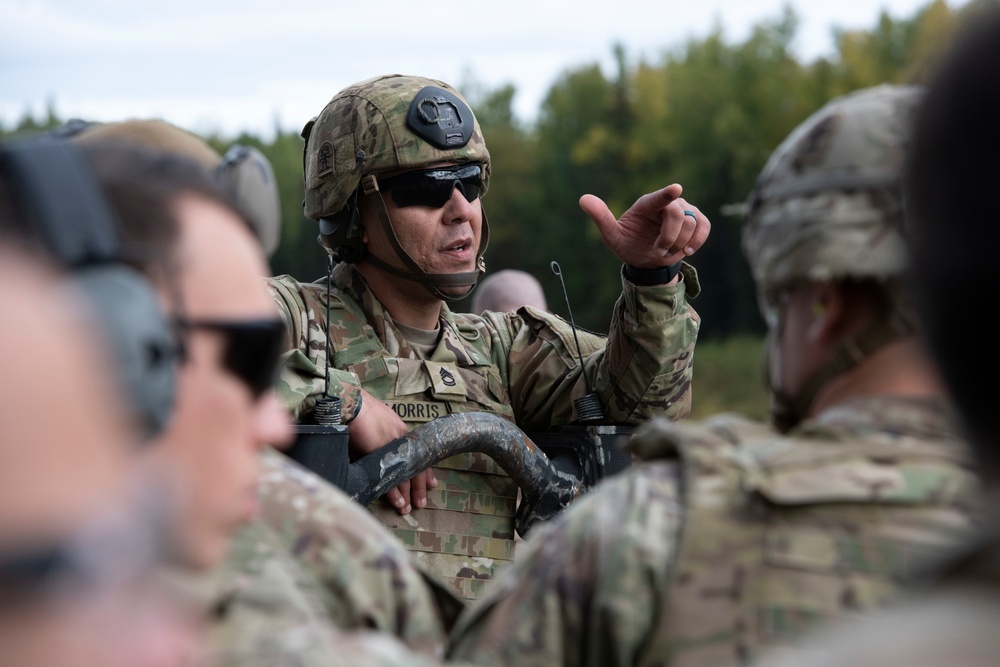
pixel 585 589
pixel 642 369
pixel 303 371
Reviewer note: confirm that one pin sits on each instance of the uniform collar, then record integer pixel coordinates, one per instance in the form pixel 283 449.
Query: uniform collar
pixel 451 347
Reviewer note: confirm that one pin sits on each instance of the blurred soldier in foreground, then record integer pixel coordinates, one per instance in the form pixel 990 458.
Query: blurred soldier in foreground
pixel 76 554
pixel 218 346
pixel 175 227
pixel 506 291
pixel 225 412
pixel 225 330
pixel 394 171
pixel 951 194
pixel 736 537
pixel 310 551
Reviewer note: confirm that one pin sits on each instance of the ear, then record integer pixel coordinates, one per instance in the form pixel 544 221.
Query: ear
pixel 833 317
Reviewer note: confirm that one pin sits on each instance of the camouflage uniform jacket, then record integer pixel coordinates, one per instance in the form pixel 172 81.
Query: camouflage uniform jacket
pixel 314 562
pixel 736 547
pixel 522 366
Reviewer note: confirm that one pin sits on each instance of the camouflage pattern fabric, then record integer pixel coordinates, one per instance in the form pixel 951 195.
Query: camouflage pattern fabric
pixel 315 562
pixel 264 609
pixel 265 613
pixel 954 623
pixel 367 579
pixel 734 541
pixel 522 366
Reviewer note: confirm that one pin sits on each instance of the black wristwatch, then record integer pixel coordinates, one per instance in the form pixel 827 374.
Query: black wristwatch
pixel 658 276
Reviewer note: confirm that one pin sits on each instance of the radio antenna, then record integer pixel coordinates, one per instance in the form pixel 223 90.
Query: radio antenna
pixel 327 410
pixel 588 408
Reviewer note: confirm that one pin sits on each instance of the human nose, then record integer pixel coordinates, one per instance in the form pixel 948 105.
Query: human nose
pixel 458 208
pixel 273 424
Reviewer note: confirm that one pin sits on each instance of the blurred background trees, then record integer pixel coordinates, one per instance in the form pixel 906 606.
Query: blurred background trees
pixel 705 114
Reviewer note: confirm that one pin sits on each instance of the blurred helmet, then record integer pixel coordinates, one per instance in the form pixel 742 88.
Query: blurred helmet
pixel 243 173
pixel 385 124
pixel 828 203
pixel 156 134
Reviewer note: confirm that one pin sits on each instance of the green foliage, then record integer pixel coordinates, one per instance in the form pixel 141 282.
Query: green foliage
pixel 728 377
pixel 730 106
pixel 706 114
pixel 28 124
pixel 513 197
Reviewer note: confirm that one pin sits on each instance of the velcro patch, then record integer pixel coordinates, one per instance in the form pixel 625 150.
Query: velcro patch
pixel 418 412
pixel 324 160
pixel 445 379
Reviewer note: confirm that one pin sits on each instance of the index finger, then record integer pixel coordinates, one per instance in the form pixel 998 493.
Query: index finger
pixel 662 197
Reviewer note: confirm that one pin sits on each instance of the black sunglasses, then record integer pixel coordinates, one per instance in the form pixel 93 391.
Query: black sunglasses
pixel 433 187
pixel 253 348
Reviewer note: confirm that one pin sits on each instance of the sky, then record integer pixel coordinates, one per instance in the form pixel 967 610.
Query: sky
pixel 228 66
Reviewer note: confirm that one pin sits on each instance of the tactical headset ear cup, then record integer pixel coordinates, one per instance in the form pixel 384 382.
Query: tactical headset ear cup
pixel 343 235
pixel 142 343
pixel 247 177
pixel 68 214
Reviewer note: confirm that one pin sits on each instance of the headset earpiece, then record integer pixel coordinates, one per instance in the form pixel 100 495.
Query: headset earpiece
pixel 343 235
pixel 247 177
pixel 69 215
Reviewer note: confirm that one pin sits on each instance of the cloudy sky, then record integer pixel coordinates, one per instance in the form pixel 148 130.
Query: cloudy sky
pixel 232 65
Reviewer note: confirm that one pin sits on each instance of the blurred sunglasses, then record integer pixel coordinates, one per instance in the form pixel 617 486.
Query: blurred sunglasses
pixel 433 187
pixel 253 348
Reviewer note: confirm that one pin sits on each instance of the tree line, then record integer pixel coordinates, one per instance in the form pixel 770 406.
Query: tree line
pixel 706 114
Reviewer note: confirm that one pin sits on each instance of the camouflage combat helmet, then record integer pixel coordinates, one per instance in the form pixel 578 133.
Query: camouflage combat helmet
pixel 828 205
pixel 388 123
pixel 243 173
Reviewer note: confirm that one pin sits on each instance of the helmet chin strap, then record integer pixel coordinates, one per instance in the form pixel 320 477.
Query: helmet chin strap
pixel 433 282
pixel 788 409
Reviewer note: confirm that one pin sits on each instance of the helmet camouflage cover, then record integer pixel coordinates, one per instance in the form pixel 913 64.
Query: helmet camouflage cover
pixel 828 203
pixel 363 130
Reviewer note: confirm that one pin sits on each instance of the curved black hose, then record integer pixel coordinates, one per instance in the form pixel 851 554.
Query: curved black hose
pixel 545 489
